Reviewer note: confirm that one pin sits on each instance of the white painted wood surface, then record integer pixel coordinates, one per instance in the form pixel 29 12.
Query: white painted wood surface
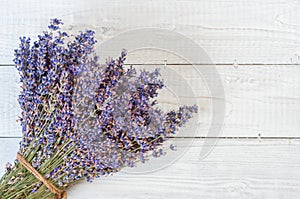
pixel 258 99
pixel 256 47
pixel 257 31
pixel 235 169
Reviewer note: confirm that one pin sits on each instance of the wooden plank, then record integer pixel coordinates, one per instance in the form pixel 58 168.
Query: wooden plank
pixel 259 101
pixel 9 106
pixel 234 169
pixel 246 31
pixel 28 18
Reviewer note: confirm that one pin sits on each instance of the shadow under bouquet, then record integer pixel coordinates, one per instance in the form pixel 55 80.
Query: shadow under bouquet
pixel 81 119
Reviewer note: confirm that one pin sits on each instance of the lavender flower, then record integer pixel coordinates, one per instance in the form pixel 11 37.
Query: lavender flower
pixel 80 119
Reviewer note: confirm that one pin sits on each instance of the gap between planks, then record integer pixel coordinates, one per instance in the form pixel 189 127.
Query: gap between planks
pixel 203 137
pixel 200 64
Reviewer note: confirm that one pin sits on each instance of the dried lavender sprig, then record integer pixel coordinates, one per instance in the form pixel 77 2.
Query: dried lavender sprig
pixel 49 73
pixel 122 142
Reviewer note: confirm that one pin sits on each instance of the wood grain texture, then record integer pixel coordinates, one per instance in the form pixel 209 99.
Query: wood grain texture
pixel 246 31
pixel 234 169
pixel 256 48
pixel 258 99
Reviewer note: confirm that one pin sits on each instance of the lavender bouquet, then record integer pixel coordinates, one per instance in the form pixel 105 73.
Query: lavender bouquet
pixel 81 119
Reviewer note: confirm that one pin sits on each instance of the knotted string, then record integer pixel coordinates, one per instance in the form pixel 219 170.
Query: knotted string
pixel 60 194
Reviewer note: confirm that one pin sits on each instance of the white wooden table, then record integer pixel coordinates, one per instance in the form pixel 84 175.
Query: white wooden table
pixel 255 46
